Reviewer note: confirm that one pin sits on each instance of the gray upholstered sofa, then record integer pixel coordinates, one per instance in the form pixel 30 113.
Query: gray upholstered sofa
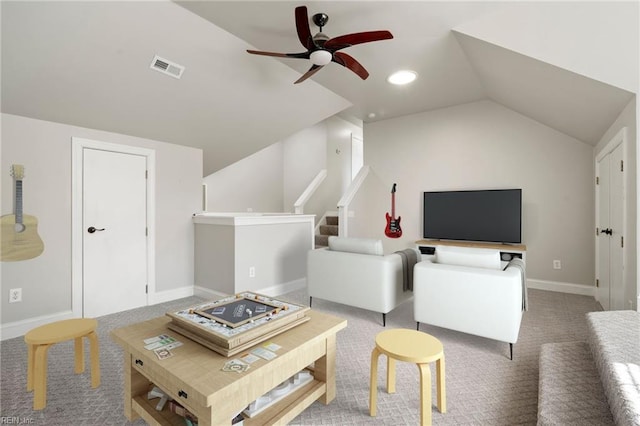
pixel 595 382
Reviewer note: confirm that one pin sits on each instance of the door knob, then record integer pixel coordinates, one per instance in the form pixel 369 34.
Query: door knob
pixel 93 229
pixel 607 231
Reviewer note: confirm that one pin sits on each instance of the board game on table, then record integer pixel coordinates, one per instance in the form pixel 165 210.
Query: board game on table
pixel 234 323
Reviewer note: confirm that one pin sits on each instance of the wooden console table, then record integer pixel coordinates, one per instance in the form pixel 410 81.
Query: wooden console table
pixel 428 247
pixel 193 376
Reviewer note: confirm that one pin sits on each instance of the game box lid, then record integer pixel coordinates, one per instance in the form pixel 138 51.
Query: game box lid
pixel 235 323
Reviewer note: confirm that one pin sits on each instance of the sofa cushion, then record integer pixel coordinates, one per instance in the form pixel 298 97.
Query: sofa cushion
pixel 356 245
pixel 468 256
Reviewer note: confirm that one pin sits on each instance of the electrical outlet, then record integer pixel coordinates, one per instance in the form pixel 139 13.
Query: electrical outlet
pixel 252 271
pixel 15 295
pixel 557 264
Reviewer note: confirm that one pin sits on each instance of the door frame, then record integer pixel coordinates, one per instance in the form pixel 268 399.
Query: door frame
pixel 620 138
pixel 77 147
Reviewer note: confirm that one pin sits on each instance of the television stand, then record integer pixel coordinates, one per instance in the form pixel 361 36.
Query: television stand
pixel 507 251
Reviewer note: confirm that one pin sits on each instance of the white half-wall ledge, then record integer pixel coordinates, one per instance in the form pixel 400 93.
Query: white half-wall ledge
pixel 242 218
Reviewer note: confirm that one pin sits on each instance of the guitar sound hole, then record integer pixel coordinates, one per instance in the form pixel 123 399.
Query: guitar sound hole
pixel 19 227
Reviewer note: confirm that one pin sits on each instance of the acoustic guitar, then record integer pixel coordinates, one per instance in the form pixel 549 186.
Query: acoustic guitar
pixel 20 239
pixel 393 230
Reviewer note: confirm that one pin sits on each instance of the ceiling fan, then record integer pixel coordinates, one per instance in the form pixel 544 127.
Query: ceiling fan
pixel 321 49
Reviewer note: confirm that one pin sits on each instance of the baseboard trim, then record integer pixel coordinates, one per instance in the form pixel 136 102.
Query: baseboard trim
pixel 169 295
pixel 207 293
pixel 561 287
pixel 283 288
pixel 273 291
pixel 20 328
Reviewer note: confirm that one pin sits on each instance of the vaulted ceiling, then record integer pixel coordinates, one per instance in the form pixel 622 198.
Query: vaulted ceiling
pixel 568 65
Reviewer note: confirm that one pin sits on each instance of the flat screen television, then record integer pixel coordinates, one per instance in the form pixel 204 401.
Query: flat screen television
pixel 493 215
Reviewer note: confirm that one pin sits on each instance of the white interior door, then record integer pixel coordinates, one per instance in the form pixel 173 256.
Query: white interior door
pixel 114 256
pixel 611 229
pixel 616 220
pixel 603 237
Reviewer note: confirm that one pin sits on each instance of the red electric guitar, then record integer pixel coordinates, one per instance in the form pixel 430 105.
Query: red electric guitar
pixel 393 225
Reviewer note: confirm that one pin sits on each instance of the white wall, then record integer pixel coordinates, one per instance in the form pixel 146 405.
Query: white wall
pixel 44 148
pixel 304 155
pixel 273 247
pixel 367 212
pixel 279 254
pixel 271 180
pixel 215 259
pixel 251 184
pixel 485 145
pixel 339 152
pixel 628 119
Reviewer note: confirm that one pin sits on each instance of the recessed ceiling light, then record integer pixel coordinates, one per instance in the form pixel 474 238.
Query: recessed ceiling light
pixel 402 77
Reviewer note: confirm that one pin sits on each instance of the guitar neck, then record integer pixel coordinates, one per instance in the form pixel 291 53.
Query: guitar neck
pixel 393 205
pixel 18 203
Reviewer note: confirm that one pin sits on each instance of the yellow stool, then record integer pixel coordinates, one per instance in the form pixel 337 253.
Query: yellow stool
pixel 41 338
pixel 409 346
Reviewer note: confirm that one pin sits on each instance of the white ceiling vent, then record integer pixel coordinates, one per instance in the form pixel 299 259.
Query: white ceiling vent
pixel 167 67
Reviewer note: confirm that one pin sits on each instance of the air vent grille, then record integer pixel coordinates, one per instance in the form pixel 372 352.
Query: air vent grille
pixel 167 67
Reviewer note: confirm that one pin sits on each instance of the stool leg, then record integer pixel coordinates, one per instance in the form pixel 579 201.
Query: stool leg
pixel 95 360
pixel 425 394
pixel 79 349
pixel 31 354
pixel 441 383
pixel 391 375
pixel 40 377
pixel 373 385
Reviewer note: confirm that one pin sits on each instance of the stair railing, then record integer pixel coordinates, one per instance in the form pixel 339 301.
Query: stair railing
pixel 350 193
pixel 298 206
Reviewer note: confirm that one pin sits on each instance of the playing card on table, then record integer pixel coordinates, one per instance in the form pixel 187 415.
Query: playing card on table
pixel 235 365
pixel 163 353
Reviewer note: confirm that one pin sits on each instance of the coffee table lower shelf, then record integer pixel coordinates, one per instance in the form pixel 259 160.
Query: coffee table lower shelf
pixel 282 412
pixel 194 377
pixel 149 414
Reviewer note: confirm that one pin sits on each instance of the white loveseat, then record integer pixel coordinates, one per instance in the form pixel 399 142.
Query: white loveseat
pixel 356 272
pixel 466 289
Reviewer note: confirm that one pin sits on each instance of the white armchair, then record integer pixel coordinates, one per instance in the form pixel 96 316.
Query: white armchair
pixel 355 272
pixel 481 299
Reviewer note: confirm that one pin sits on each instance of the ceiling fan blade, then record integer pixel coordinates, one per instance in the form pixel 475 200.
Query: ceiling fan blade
pixel 302 27
pixel 347 40
pixel 303 55
pixel 314 69
pixel 350 63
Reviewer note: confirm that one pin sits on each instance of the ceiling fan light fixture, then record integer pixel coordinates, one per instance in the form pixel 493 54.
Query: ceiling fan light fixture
pixel 320 57
pixel 402 77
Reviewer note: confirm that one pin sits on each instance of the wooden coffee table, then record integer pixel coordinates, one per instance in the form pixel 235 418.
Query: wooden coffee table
pixel 193 376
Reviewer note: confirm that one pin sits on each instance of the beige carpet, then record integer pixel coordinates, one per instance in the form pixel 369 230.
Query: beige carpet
pixel 483 386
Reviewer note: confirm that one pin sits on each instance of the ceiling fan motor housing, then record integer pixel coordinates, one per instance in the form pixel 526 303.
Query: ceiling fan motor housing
pixel 320 38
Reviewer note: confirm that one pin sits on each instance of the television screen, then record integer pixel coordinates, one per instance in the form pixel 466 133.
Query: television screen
pixel 486 215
